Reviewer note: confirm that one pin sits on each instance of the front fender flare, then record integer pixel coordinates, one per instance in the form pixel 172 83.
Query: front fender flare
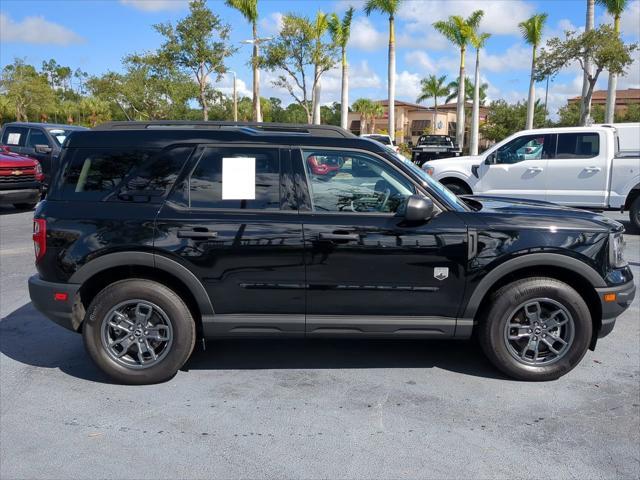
pixel 525 261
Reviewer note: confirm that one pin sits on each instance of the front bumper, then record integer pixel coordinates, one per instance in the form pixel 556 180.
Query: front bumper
pixel 27 195
pixel 66 313
pixel 625 294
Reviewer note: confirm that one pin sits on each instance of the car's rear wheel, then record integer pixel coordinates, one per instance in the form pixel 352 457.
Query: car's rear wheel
pixel 634 213
pixel 139 331
pixel 536 329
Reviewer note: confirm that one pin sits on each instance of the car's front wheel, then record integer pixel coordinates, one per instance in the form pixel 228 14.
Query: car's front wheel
pixel 139 331
pixel 536 329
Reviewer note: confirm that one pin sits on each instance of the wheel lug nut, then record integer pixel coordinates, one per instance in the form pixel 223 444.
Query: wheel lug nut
pixel 146 332
pixel 131 337
pixel 530 330
pixel 535 338
pixel 544 335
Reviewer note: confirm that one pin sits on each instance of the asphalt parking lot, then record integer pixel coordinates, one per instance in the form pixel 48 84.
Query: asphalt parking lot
pixel 322 409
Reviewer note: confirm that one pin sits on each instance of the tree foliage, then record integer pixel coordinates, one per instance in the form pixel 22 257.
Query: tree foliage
pixel 504 119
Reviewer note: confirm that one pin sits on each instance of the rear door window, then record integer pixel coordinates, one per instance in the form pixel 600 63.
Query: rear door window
pixel 121 174
pixel 236 178
pixel 578 145
pixel 15 136
pixel 37 137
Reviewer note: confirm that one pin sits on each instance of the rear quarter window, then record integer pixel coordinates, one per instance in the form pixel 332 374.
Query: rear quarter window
pixel 103 174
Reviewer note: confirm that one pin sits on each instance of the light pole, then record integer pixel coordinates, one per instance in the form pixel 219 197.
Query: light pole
pixel 257 114
pixel 235 96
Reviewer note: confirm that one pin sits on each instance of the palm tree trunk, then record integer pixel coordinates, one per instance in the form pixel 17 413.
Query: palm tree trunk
pixel 475 114
pixel 257 114
pixel 435 114
pixel 532 93
pixel 587 62
pixel 344 99
pixel 315 96
pixel 392 79
pixel 460 105
pixel 613 82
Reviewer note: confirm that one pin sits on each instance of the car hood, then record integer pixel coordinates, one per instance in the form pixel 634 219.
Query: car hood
pixel 8 160
pixel 537 214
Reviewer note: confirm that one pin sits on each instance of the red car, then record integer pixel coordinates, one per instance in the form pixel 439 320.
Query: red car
pixel 20 180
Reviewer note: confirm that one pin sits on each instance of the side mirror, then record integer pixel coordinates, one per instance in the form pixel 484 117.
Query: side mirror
pixel 418 209
pixel 395 144
pixel 490 160
pixel 43 149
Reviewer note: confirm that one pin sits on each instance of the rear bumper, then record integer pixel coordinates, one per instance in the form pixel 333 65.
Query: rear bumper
pixel 625 294
pixel 27 195
pixel 65 313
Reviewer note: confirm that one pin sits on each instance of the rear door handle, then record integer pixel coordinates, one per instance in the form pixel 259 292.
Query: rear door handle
pixel 340 237
pixel 196 234
pixel 535 169
pixel 592 169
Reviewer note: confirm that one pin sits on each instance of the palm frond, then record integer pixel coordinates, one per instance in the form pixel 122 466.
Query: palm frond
pixel 614 7
pixel 248 8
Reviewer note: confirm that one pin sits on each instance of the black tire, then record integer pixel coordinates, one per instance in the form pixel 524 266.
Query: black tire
pixel 182 324
pixel 634 213
pixel 457 188
pixel 25 206
pixel 491 329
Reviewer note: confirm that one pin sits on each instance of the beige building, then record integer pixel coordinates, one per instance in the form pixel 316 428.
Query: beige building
pixel 412 120
pixel 624 98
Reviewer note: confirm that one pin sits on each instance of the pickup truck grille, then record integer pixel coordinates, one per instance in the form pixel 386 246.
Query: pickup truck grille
pixel 17 175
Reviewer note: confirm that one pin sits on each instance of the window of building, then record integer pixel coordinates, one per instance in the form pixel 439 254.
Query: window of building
pixel 418 127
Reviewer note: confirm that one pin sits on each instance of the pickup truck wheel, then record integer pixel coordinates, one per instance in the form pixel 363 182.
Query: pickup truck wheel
pixel 457 188
pixel 536 329
pixel 139 332
pixel 634 213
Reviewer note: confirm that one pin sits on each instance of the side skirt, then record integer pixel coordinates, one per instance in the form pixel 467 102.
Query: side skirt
pixel 352 326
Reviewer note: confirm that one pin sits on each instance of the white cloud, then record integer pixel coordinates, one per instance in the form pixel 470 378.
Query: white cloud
pixel 516 57
pixel 272 24
pixel 361 76
pixel 36 30
pixel 365 36
pixel 500 17
pixel 225 85
pixel 407 86
pixel 156 5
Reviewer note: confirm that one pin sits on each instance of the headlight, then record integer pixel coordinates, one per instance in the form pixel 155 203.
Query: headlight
pixel 428 169
pixel 616 250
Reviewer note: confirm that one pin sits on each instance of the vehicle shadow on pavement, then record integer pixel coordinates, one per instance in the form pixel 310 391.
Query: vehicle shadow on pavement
pixel 7 210
pixel 26 336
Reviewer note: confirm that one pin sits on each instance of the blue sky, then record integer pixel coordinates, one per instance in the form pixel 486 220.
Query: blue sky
pixel 95 34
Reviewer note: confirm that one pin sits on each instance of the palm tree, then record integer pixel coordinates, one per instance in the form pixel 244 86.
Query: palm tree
pixel 532 33
pixel 340 33
pixel 377 110
pixel 433 87
pixel 615 9
pixel 460 31
pixel 249 10
pixel 585 104
pixel 478 42
pixel 389 7
pixel 362 106
pixel 452 90
pixel 320 27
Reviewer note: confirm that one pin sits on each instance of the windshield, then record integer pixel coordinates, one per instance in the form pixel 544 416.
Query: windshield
pixel 437 186
pixel 59 134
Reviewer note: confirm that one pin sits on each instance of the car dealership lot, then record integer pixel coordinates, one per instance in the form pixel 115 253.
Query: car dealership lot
pixel 322 409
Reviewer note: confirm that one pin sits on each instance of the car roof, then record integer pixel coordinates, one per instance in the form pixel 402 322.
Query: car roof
pixel 162 134
pixel 45 125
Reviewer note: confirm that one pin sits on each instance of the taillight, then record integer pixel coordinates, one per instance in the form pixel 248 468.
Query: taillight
pixel 39 173
pixel 39 237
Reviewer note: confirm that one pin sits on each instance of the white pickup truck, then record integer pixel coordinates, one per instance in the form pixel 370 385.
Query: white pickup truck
pixel 595 167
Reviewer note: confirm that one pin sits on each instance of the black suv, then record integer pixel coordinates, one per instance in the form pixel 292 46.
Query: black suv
pixel 156 234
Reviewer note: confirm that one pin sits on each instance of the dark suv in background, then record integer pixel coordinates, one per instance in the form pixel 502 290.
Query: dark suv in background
pixel 156 234
pixel 42 141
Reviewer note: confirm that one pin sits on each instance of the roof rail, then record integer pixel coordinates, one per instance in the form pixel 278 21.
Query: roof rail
pixel 255 128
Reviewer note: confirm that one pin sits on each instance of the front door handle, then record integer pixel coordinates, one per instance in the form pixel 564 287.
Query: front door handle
pixel 339 237
pixel 592 169
pixel 535 169
pixel 202 234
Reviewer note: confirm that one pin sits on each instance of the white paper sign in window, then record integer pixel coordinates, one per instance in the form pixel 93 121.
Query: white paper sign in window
pixel 239 178
pixel 13 139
